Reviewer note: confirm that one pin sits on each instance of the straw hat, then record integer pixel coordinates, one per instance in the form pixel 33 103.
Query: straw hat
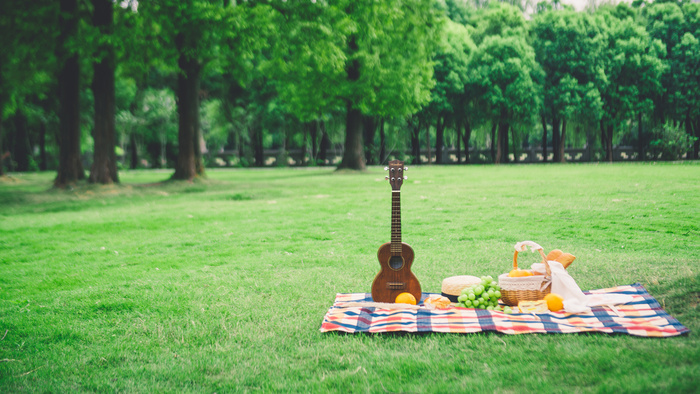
pixel 452 287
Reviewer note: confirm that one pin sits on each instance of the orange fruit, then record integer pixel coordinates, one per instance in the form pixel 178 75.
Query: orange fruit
pixel 405 298
pixel 516 273
pixel 555 302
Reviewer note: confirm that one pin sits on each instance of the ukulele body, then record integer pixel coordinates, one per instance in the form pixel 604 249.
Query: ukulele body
pixel 395 276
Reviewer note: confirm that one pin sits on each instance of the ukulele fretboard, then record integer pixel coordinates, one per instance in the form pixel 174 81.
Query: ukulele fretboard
pixel 396 223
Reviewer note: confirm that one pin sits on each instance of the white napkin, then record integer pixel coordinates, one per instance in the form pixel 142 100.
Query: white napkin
pixel 574 299
pixel 564 285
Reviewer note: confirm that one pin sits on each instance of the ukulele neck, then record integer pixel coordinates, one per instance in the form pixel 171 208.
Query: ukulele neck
pixel 396 223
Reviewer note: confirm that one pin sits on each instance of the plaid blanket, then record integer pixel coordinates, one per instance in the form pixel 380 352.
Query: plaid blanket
pixel 643 316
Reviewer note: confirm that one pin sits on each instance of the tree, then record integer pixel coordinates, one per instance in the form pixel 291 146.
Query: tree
pixel 632 64
pixel 104 164
pixel 687 56
pixel 448 102
pixel 568 45
pixel 373 58
pixel 688 79
pixel 27 68
pixel 503 72
pixel 665 22
pixel 70 168
pixel 498 19
pixel 191 34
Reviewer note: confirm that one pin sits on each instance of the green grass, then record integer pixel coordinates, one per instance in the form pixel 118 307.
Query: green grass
pixel 221 285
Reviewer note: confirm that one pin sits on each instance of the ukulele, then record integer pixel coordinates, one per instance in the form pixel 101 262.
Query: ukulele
pixel 395 257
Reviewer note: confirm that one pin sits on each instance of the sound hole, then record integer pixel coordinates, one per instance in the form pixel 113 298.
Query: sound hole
pixel 396 262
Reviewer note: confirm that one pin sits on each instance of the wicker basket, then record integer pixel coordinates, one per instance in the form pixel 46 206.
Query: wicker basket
pixel 525 288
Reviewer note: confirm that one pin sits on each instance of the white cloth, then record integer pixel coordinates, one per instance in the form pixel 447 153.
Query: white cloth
pixel 574 299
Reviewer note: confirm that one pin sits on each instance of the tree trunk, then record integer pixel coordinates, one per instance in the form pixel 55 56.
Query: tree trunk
pixel 281 159
pixel 427 143
pixel 467 136
pixel 415 141
pixel 544 139
pixel 502 134
pixel 603 139
pixel 43 161
pixel 369 129
pixel 2 107
pixel 304 142
pixel 104 164
pixel 555 139
pixel 240 145
pixel 696 145
pixel 440 140
pixel 494 141
pixel 2 154
pixel 189 163
pixel 609 144
pixel 562 156
pixel 458 129
pixel 606 139
pixel 382 142
pixel 133 152
pixel 21 149
pixel 256 138
pixel 70 168
pixel 198 143
pixel 689 132
pixel 640 142
pixel 313 129
pixel 325 144
pixel 515 144
pixel 505 156
pixel 259 146
pixel 353 156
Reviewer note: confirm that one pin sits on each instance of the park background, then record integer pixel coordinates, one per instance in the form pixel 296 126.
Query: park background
pixel 88 88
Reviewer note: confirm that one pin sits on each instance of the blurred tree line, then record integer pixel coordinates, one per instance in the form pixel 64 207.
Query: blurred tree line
pixel 89 87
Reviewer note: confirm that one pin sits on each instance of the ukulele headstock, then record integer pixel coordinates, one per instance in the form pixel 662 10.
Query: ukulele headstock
pixel 396 174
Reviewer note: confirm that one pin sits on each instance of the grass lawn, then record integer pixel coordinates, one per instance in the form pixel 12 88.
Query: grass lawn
pixel 221 285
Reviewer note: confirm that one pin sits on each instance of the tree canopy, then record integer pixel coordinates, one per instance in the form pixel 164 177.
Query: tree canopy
pixel 189 84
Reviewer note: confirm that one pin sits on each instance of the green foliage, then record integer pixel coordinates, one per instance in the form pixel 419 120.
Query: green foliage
pixel 215 126
pixel 277 65
pixel 27 59
pixel 502 68
pixel 568 46
pixel 158 112
pixel 633 68
pixel 451 69
pixel 390 43
pixel 499 19
pixel 671 142
pixel 687 78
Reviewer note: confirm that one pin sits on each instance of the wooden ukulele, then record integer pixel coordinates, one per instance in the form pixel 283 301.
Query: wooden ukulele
pixel 395 257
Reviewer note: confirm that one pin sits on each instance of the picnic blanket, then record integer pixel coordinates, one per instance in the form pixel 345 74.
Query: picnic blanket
pixel 643 317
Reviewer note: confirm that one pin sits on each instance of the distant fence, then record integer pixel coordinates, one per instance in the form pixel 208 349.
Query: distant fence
pixel 529 155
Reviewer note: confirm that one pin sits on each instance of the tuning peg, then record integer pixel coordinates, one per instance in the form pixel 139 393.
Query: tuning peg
pixel 405 168
pixel 405 177
pixel 386 168
pixel 386 177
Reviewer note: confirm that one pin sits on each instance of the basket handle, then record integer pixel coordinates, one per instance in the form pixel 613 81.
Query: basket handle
pixel 522 247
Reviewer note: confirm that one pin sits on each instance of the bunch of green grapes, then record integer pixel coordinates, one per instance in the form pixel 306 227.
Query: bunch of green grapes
pixel 484 295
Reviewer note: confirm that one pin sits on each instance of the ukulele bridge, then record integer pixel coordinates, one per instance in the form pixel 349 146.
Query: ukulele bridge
pixel 395 285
